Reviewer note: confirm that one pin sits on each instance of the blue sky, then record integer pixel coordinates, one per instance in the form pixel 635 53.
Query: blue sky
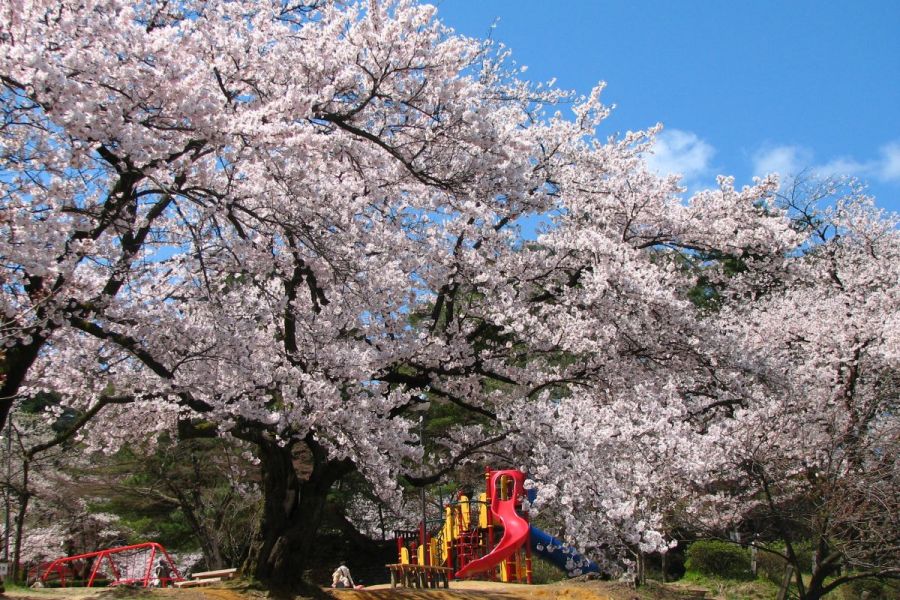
pixel 742 87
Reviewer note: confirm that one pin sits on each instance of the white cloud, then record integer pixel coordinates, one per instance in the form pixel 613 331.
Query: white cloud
pixel 844 165
pixel 682 152
pixel 889 169
pixel 789 160
pixel 784 160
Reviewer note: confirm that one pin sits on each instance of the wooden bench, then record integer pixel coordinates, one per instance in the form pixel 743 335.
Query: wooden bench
pixel 189 583
pixel 206 578
pixel 419 576
pixel 221 574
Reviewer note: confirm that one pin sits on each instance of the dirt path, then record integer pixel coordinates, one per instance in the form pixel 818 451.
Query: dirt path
pixel 459 590
pixel 478 590
pixel 128 594
pixel 486 590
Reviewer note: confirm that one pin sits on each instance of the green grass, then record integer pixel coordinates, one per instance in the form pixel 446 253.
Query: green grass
pixel 732 589
pixel 764 589
pixel 18 587
pixel 545 572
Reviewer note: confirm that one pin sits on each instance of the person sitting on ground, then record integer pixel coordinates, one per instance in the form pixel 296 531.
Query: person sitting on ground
pixel 341 577
pixel 163 573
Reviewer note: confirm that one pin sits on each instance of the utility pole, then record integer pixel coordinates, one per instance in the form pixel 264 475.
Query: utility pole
pixel 424 536
pixel 422 407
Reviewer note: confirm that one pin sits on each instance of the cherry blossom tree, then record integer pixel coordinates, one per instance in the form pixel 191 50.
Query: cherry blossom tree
pixel 47 512
pixel 195 494
pixel 292 222
pixel 814 454
pixel 613 439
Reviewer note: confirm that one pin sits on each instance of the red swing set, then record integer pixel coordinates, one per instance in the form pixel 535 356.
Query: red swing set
pixel 126 565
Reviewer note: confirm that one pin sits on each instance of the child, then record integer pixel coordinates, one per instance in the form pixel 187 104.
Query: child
pixel 341 577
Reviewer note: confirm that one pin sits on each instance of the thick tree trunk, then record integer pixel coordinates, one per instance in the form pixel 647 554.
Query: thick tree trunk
pixel 293 509
pixel 826 565
pixel 14 365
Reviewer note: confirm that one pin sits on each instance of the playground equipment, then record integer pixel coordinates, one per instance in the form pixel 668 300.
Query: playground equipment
pixel 504 500
pixel 564 556
pixel 488 536
pixel 139 565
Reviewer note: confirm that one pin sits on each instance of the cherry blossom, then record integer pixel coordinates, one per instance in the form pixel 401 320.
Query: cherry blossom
pixel 291 223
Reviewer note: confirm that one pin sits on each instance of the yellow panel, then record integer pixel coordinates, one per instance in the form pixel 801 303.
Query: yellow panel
pixel 404 556
pixel 434 552
pixel 464 513
pixel 448 525
pixel 483 511
pixel 420 555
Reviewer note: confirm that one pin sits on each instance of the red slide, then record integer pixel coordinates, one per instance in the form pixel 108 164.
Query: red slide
pixel 515 528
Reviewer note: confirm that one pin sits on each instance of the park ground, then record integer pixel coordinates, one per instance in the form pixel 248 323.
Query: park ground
pixel 466 590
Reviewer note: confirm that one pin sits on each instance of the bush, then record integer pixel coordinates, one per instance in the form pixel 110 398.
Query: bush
pixel 804 553
pixel 879 589
pixel 770 566
pixel 543 571
pixel 674 565
pixel 719 559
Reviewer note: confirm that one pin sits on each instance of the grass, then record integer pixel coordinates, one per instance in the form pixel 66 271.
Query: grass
pixel 732 589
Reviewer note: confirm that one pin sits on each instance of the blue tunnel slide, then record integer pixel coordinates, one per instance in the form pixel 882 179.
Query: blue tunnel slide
pixel 560 554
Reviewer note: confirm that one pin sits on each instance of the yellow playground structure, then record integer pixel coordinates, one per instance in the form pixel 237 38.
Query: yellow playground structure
pixel 486 536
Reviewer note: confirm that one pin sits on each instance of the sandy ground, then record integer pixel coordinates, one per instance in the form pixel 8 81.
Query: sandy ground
pixel 481 590
pixel 209 593
pixel 459 590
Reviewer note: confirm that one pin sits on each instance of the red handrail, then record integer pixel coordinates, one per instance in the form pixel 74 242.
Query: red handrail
pixel 100 555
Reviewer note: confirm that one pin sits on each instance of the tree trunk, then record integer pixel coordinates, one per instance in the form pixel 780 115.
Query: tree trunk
pixel 24 497
pixel 785 582
pixel 14 364
pixel 190 501
pixel 825 565
pixel 293 509
pixel 209 542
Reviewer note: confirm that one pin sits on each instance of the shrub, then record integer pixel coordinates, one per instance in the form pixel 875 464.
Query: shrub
pixel 674 565
pixel 719 559
pixel 543 571
pixel 770 566
pixel 804 553
pixel 879 589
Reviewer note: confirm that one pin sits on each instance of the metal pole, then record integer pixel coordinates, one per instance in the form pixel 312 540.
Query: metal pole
pixel 424 533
